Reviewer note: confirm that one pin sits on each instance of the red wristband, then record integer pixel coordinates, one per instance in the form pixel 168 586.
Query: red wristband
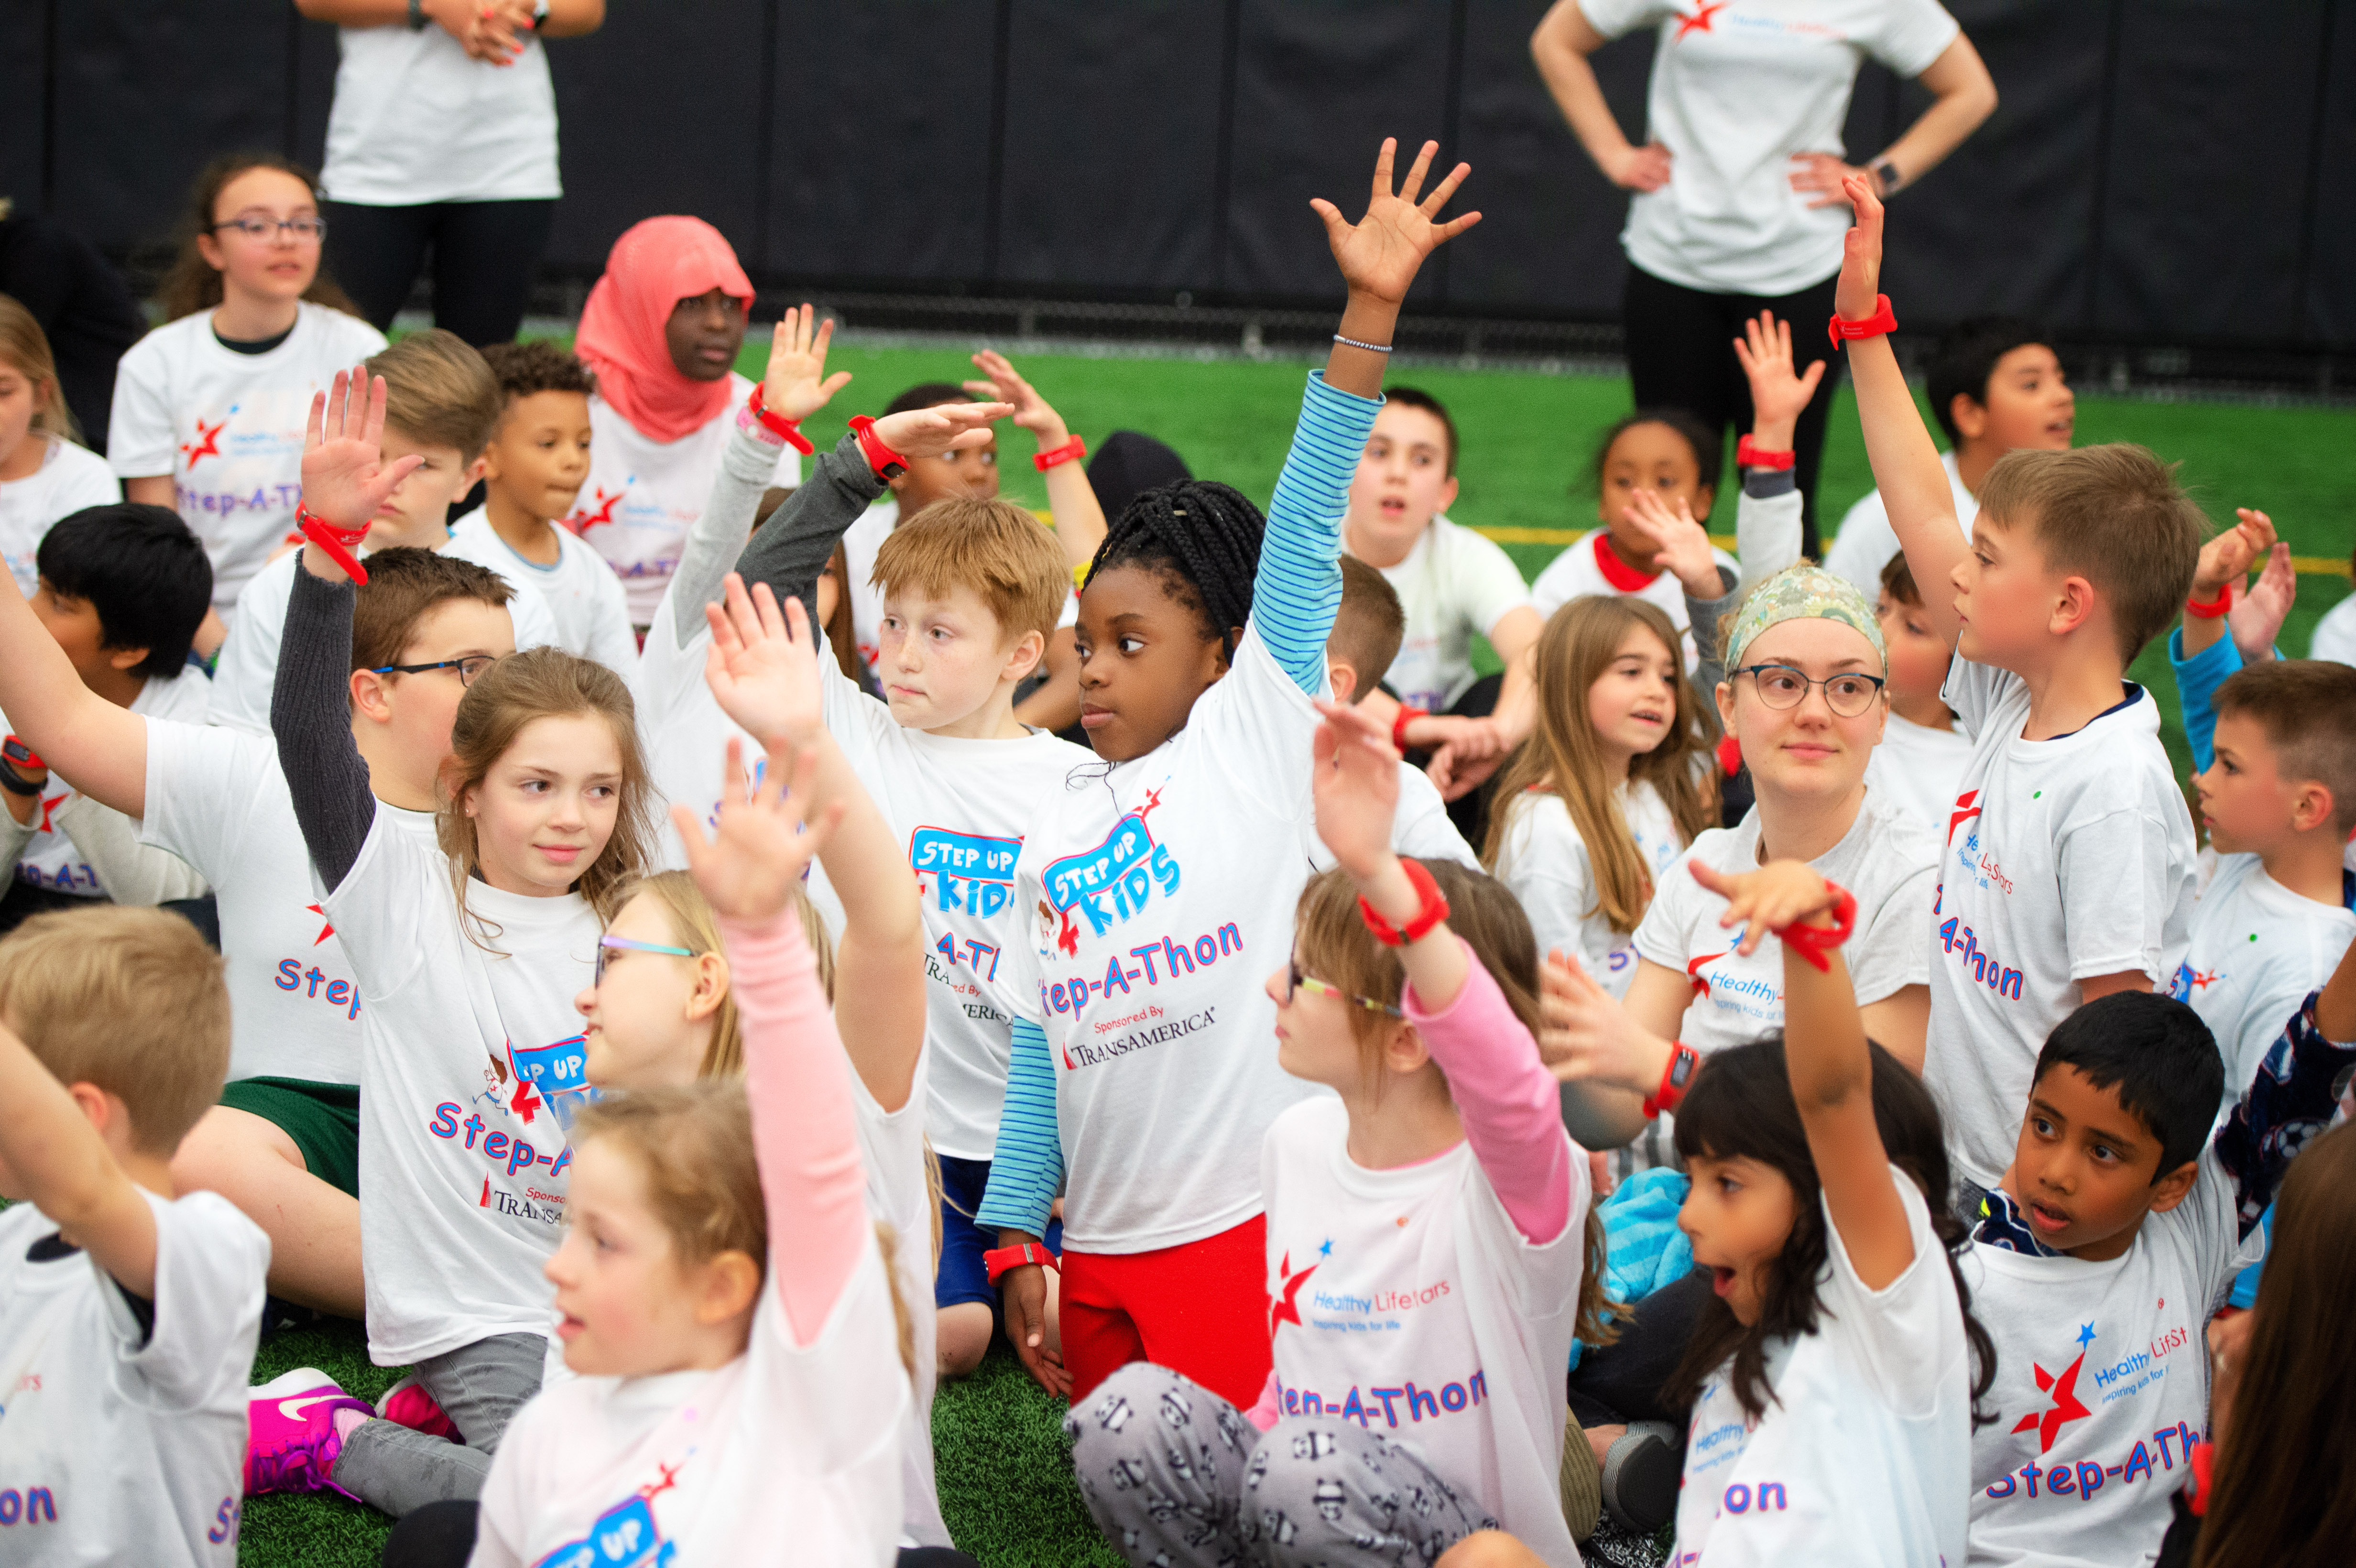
pixel 2210 609
pixel 1431 911
pixel 1407 716
pixel 1873 325
pixel 19 754
pixel 340 543
pixel 2201 1461
pixel 1684 1061
pixel 1747 455
pixel 1813 942
pixel 788 431
pixel 998 1259
pixel 886 462
pixel 1071 451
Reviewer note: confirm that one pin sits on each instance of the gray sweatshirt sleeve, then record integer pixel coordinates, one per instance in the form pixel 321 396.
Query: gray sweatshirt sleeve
pixel 792 548
pixel 747 463
pixel 310 717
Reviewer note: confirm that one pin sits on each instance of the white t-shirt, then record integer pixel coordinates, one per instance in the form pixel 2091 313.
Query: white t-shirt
pixel 415 122
pixel 892 1147
pixel 1579 572
pixel 1860 1456
pixel 1920 771
pixel 1883 859
pixel 1543 859
pixel 1421 828
pixel 2256 950
pixel 1157 894
pixel 471 1063
pixel 643 495
pixel 784 1443
pixel 120 1445
pixel 2061 861
pixel 227 428
pixel 584 596
pixel 1453 583
pixel 48 858
pixel 1415 1277
pixel 216 799
pixel 862 542
pixel 247 672
pixel 1867 542
pixel 69 478
pixel 2102 1384
pixel 1737 89
pixel 959 809
pixel 2335 634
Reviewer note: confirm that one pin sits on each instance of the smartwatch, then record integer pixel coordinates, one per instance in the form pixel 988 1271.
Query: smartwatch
pixel 538 14
pixel 416 15
pixel 1885 174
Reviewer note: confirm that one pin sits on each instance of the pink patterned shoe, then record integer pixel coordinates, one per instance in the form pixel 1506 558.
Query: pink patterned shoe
pixel 291 1440
pixel 406 1403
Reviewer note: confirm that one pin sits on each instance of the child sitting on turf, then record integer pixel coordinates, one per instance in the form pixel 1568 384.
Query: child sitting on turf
pixel 1919 765
pixel 44 474
pixel 122 590
pixel 1995 387
pixel 283 1144
pixel 441 406
pixel 128 1316
pixel 1427 1228
pixel 1202 643
pixel 2119 1223
pixel 532 469
pixel 468 952
pixel 1603 798
pixel 2066 861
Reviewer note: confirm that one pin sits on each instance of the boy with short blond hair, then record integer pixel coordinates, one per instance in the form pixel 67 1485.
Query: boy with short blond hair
pixel 2067 858
pixel 128 1316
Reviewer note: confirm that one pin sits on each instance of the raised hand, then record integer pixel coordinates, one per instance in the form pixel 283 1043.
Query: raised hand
pixel 2257 619
pixel 1766 900
pixel 760 845
pixel 1032 411
pixel 1380 254
pixel 345 476
pixel 1585 1035
pixel 1860 274
pixel 1355 788
pixel 763 667
pixel 795 384
pixel 929 432
pixel 1639 168
pixel 1683 543
pixel 1778 397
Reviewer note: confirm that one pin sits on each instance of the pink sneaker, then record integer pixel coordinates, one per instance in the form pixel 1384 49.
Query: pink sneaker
pixel 406 1403
pixel 291 1440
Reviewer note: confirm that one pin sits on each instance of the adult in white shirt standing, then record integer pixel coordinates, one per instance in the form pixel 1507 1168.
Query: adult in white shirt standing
pixel 1738 206
pixel 444 133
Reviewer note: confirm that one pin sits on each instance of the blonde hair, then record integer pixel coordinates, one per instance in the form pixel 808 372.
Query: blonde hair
pixel 1331 941
pixel 25 347
pixel 1001 552
pixel 1564 758
pixel 544 683
pixel 439 391
pixel 2113 514
pixel 130 1000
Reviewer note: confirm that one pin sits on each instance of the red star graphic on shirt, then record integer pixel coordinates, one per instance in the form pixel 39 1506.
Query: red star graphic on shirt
pixel 50 804
pixel 1699 22
pixel 2202 980
pixel 526 1103
pixel 1693 971
pixel 1285 1311
pixel 1067 935
pixel 1152 799
pixel 2048 1422
pixel 669 1479
pixel 326 928
pixel 582 521
pixel 1964 811
pixel 207 445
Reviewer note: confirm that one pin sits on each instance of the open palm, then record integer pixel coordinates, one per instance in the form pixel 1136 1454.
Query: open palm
pixel 1380 254
pixel 795 384
pixel 345 476
pixel 760 845
pixel 763 666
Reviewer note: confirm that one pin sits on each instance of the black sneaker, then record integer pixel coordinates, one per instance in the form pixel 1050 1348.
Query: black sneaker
pixel 1640 1474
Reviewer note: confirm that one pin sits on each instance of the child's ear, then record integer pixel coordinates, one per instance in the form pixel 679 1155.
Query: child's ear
pixel 1404 1051
pixel 1023 658
pixel 369 696
pixel 477 469
pixel 2312 806
pixel 2169 1189
pixel 125 658
pixel 1448 493
pixel 710 987
pixel 727 1288
pixel 1705 497
pixel 1344 680
pixel 1970 416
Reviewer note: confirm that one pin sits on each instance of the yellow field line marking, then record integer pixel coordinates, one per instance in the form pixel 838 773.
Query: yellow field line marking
pixel 2305 565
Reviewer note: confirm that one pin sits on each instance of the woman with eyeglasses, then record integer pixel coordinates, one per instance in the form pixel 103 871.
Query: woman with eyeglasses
pixel 208 408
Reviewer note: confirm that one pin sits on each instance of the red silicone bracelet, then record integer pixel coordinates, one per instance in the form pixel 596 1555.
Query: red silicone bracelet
pixel 886 462
pixel 1407 716
pixel 339 542
pixel 997 1261
pixel 788 431
pixel 2210 609
pixel 1745 455
pixel 1071 451
pixel 1684 1061
pixel 1882 320
pixel 1430 912
pixel 1813 942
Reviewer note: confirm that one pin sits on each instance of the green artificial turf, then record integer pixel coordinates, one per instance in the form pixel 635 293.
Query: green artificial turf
pixel 1005 1480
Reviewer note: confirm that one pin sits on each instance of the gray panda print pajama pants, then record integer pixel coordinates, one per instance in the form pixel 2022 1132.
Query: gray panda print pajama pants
pixel 1177 1477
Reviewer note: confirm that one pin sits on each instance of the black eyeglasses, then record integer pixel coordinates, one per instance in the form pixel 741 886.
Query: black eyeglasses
pixel 469 667
pixel 1781 686
pixel 264 227
pixel 1294 980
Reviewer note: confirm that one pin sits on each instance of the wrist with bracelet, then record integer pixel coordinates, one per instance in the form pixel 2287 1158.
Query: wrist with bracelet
pixel 1748 454
pixel 887 463
pixel 341 544
pixel 1406 717
pixel 1814 942
pixel 998 1261
pixel 2210 609
pixel 15 756
pixel 758 412
pixel 1882 321
pixel 1430 909
pixel 1071 451
pixel 1675 1078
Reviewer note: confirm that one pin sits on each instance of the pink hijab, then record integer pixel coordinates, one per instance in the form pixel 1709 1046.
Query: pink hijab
pixel 653 266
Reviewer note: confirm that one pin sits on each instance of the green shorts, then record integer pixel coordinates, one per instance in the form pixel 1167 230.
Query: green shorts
pixel 323 1120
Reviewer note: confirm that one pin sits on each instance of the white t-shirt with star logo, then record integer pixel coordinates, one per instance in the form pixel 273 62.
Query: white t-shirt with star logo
pixel 48 857
pixel 2257 949
pixel 1543 859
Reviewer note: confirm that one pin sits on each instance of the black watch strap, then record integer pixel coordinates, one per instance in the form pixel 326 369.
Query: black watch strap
pixel 15 783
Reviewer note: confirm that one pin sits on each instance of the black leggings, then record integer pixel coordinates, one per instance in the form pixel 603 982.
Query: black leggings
pixel 1681 356
pixel 441 1535
pixel 1622 1382
pixel 485 253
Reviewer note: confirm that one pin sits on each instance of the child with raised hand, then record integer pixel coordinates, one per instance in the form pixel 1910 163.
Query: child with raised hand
pixel 2066 865
pixel 468 952
pixel 1149 1087
pixel 44 474
pixel 1427 1228
pixel 128 1315
pixel 533 465
pixel 1608 792
pixel 720 1290
pixel 1920 761
pixel 2119 1223
pixel 208 408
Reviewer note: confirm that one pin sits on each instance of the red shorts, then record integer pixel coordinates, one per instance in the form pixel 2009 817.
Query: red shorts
pixel 1199 1308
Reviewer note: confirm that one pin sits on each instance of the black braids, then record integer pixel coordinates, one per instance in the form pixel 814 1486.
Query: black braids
pixel 1205 534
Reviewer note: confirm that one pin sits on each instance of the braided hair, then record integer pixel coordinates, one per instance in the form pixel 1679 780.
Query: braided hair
pixel 1201 536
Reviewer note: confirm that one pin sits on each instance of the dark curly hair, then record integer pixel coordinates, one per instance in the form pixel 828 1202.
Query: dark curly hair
pixel 538 365
pixel 1202 538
